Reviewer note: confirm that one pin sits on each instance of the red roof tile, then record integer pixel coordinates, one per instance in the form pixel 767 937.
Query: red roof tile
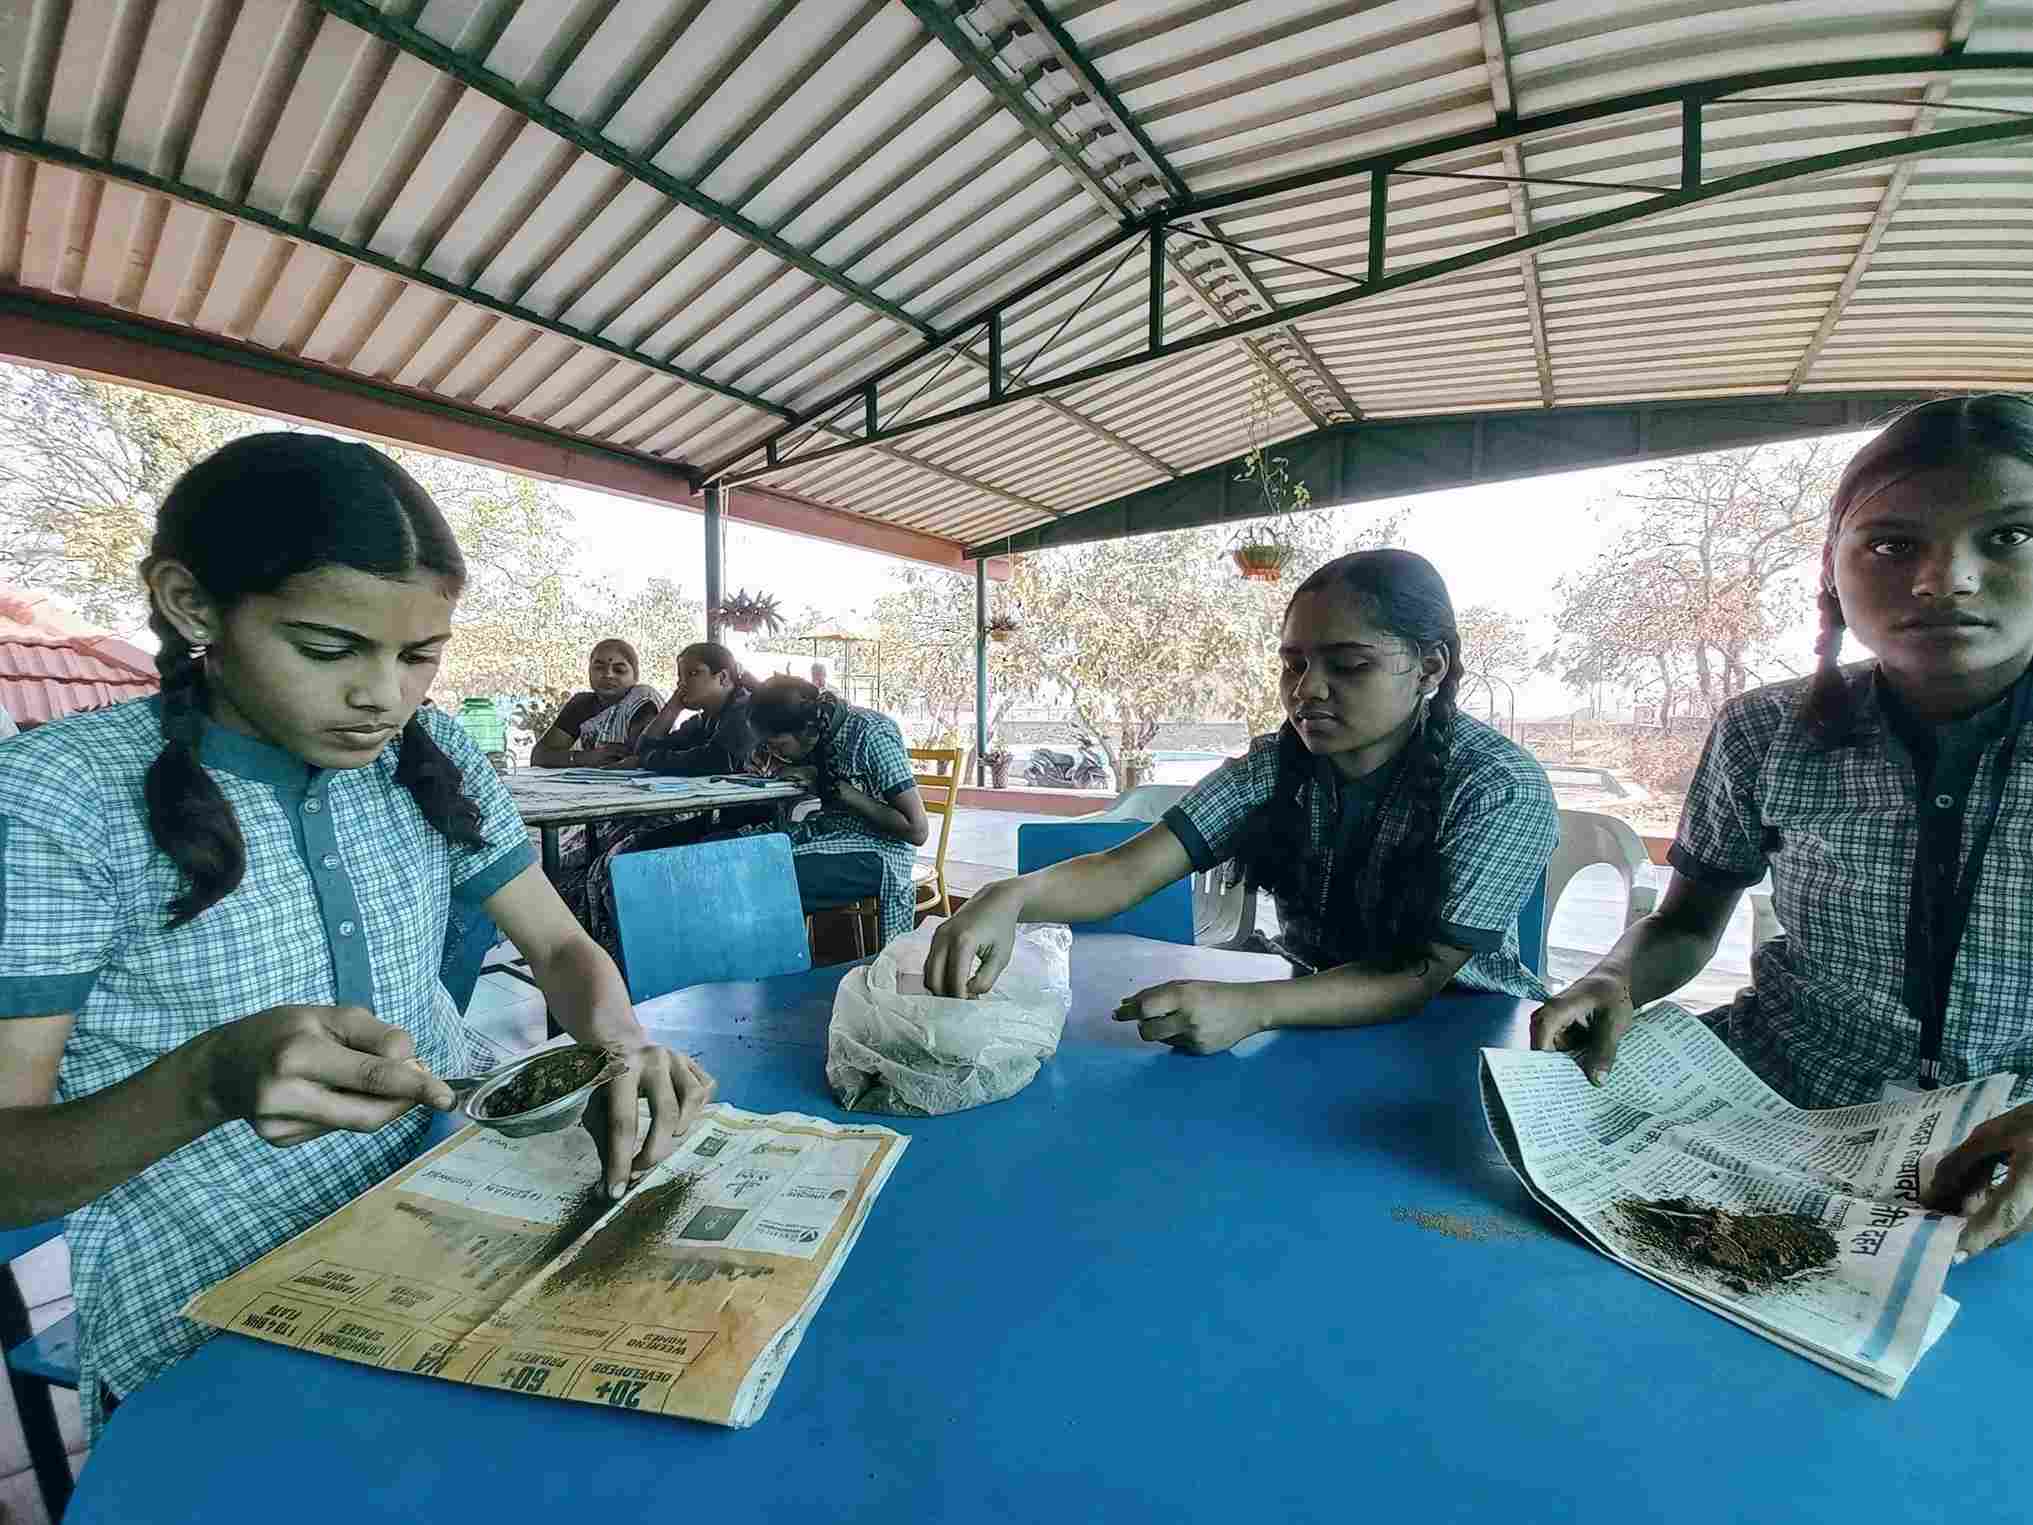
pixel 53 664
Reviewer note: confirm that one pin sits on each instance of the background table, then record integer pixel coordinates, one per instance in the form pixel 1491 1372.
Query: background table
pixel 1291 1283
pixel 550 802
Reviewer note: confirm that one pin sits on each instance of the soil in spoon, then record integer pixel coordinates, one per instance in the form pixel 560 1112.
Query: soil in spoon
pixel 544 1082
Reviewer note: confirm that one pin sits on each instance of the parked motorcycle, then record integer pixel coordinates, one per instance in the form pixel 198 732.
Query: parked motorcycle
pixel 1050 768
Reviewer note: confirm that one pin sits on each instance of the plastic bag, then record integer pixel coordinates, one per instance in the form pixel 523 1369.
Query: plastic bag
pixel 894 1048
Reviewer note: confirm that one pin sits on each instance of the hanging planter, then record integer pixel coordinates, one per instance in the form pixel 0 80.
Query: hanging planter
pixel 1001 627
pixel 997 761
pixel 749 615
pixel 1262 560
pixel 1260 551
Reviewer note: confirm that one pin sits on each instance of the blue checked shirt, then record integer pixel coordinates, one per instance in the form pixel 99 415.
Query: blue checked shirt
pixel 867 750
pixel 1497 830
pixel 344 901
pixel 1825 1022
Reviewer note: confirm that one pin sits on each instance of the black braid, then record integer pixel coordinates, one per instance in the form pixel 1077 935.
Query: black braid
pixel 1274 848
pixel 1829 711
pixel 434 783
pixel 190 820
pixel 825 777
pixel 1408 917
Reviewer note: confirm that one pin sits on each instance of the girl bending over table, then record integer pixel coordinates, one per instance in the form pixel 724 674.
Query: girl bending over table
pixel 865 837
pixel 599 727
pixel 1399 836
pixel 222 908
pixel 1892 803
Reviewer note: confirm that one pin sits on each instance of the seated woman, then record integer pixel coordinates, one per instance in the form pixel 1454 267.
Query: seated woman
pixel 1892 803
pixel 1399 836
pixel 719 738
pixel 864 839
pixel 598 728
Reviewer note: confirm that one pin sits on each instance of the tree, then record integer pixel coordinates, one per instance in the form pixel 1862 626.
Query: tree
pixel 84 466
pixel 1687 602
pixel 1496 653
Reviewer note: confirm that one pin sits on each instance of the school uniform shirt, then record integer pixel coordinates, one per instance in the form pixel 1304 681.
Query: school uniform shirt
pixel 721 743
pixel 1496 831
pixel 344 902
pixel 867 750
pixel 1827 1020
pixel 590 723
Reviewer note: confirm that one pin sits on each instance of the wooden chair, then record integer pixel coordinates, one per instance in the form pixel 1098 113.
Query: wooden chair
pixel 704 912
pixel 940 791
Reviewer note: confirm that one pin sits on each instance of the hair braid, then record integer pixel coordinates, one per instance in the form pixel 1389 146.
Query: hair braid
pixel 1830 712
pixel 1408 918
pixel 434 782
pixel 1274 849
pixel 189 818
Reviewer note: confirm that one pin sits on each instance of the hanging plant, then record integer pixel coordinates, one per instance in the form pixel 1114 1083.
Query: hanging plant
pixel 1259 548
pixel 1001 627
pixel 749 614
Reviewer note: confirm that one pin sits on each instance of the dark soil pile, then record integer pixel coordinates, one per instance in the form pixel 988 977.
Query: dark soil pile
pixel 550 1077
pixel 1746 1252
pixel 620 1250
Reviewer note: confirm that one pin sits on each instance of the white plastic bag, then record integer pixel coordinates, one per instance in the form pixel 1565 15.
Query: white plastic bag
pixel 894 1048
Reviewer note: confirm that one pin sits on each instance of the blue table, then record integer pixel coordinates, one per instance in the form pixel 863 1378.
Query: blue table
pixel 1151 1288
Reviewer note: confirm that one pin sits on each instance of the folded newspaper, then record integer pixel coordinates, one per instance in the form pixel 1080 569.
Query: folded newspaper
pixel 1804 1227
pixel 499 1262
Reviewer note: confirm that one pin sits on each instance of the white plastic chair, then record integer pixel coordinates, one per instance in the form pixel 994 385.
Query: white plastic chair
pixel 1588 838
pixel 1224 908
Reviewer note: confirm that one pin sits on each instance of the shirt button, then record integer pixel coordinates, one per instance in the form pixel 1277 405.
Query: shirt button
pixel 345 929
pixel 312 807
pixel 330 860
pixel 1944 801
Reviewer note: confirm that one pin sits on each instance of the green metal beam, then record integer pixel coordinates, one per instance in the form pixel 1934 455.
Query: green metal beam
pixel 1363 462
pixel 1890 151
pixel 1521 127
pixel 1075 58
pixel 304 233
pixel 475 76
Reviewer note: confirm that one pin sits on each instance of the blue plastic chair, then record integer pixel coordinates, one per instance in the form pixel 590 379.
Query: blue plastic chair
pixel 35 1364
pixel 1166 916
pixel 1532 929
pixel 470 935
pixel 704 912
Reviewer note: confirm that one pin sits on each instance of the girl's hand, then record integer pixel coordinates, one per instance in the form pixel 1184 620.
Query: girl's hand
pixel 1588 1020
pixel 1963 1181
pixel 298 1072
pixel 602 756
pixel 1193 1016
pixel 972 948
pixel 677 1089
pixel 627 760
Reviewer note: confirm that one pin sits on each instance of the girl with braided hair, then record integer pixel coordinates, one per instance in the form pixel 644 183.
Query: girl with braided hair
pixel 1892 803
pixel 222 907
pixel 1400 837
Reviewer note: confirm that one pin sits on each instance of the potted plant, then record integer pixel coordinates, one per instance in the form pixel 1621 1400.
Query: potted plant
pixel 749 614
pixel 1137 767
pixel 1260 552
pixel 997 760
pixel 1002 626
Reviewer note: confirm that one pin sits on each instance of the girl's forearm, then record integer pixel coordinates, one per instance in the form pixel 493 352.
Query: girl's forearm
pixel 54 1159
pixel 585 993
pixel 1351 996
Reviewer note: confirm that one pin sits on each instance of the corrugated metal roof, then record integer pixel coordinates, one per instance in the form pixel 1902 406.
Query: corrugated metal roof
pixel 668 225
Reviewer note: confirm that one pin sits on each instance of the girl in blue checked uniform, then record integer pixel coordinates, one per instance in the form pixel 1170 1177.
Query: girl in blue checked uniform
pixel 222 908
pixel 1892 804
pixel 1400 837
pixel 864 840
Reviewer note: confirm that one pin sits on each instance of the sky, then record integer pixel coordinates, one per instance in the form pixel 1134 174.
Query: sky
pixel 1503 543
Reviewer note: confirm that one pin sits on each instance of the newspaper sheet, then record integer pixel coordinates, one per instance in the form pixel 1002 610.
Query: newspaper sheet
pixel 499 1262
pixel 1682 1117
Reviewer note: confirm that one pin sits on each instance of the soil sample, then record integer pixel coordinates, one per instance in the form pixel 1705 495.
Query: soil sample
pixel 617 1252
pixel 1746 1252
pixel 550 1077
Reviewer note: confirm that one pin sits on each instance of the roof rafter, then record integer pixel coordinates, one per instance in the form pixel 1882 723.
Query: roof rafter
pixel 1957 33
pixel 1496 54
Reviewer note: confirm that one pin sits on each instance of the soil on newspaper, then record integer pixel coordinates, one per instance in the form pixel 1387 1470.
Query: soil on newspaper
pixel 550 1077
pixel 1747 1252
pixel 622 1249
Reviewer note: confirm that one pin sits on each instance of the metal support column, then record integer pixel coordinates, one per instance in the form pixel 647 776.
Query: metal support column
pixel 980 669
pixel 714 495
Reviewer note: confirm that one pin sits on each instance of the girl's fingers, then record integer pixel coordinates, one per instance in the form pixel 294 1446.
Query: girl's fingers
pixel 621 1093
pixel 663 1117
pixel 1162 1029
pixel 304 1103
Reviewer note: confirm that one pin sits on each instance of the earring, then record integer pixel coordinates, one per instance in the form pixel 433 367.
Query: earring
pixel 200 643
